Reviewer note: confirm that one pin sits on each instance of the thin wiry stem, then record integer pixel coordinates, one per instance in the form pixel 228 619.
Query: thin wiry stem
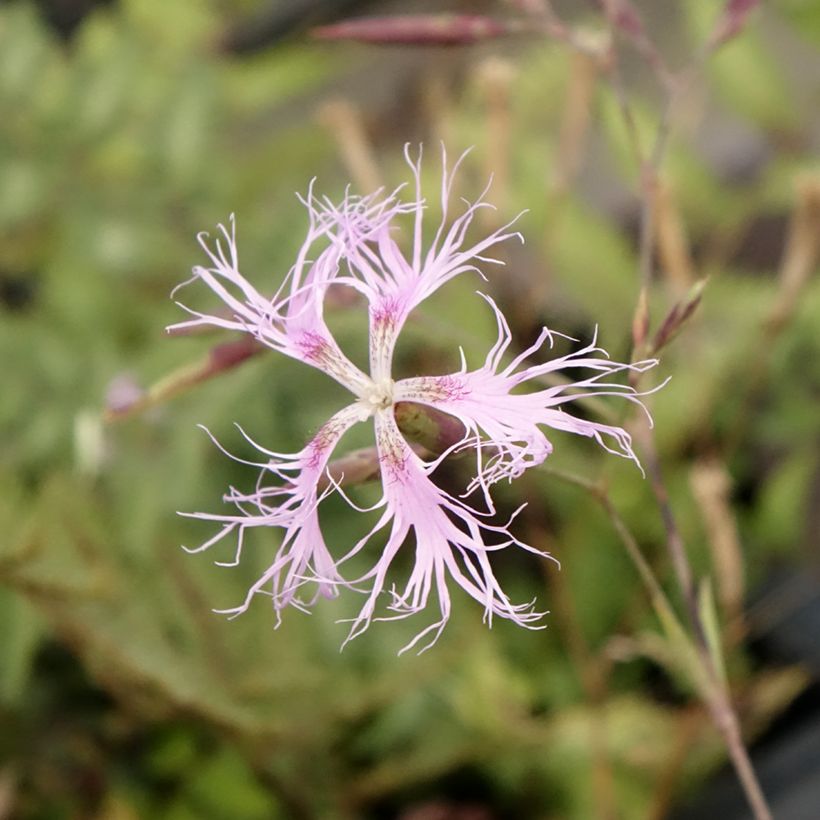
pixel 715 694
pixel 713 691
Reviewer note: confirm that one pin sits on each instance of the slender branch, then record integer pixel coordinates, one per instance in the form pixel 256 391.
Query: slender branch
pixel 725 718
pixel 633 550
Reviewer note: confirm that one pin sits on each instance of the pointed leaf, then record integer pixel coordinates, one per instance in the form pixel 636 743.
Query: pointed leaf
pixel 709 618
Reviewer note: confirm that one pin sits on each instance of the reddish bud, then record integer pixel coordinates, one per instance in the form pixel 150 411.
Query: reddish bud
pixel 732 21
pixel 678 316
pixel 624 16
pixel 422 29
pixel 432 429
pixel 225 356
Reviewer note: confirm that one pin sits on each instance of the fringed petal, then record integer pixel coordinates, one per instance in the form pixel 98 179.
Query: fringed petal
pixel 292 321
pixel 505 427
pixel 287 497
pixel 451 543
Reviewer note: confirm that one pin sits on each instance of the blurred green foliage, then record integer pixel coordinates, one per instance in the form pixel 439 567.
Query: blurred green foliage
pixel 121 694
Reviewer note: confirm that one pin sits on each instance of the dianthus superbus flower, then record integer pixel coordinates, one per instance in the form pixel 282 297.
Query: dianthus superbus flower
pixel 355 244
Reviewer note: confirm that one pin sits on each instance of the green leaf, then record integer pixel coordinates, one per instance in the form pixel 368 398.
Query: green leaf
pixel 707 609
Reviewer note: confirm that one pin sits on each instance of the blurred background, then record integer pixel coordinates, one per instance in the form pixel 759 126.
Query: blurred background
pixel 128 126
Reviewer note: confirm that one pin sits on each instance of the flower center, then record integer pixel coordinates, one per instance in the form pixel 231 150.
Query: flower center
pixel 379 395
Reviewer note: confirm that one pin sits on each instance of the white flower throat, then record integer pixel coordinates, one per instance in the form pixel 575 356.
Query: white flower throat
pixel 378 395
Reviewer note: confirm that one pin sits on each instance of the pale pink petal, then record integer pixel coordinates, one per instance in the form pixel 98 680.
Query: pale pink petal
pixel 292 321
pixel 508 425
pixel 450 542
pixel 286 497
pixel 395 284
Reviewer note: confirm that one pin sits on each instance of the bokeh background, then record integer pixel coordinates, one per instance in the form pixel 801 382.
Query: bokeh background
pixel 127 127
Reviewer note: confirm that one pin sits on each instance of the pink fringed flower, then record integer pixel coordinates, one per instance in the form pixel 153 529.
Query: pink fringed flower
pixel 504 429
